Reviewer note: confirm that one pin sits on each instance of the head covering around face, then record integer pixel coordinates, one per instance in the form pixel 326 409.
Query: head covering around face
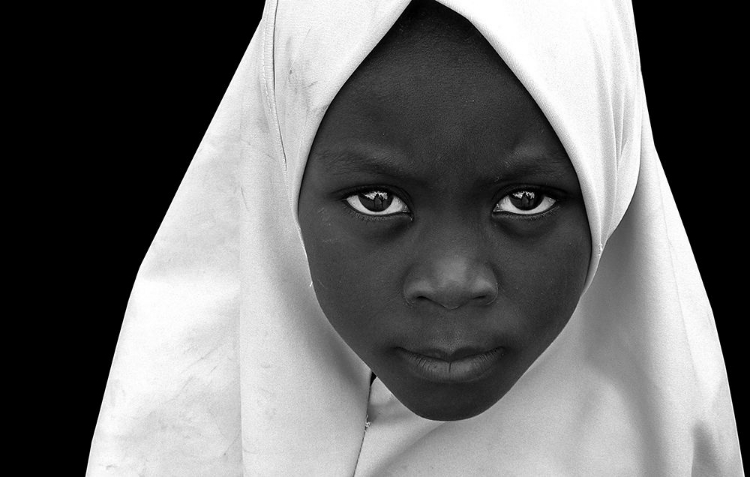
pixel 226 364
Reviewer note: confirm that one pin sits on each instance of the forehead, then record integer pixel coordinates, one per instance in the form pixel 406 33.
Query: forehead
pixel 434 98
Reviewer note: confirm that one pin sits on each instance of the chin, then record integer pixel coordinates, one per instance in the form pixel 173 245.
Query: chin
pixel 450 412
pixel 456 405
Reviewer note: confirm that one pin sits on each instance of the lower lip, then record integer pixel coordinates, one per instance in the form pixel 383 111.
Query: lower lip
pixel 464 370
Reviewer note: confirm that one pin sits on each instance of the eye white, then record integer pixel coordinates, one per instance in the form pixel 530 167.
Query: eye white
pixel 525 202
pixel 357 202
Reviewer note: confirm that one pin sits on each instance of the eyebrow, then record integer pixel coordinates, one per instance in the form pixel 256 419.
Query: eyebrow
pixel 518 165
pixel 522 164
pixel 347 161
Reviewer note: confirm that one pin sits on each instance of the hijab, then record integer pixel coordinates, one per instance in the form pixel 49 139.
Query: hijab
pixel 226 365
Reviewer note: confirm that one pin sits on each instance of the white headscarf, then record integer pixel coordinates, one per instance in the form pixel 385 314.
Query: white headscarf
pixel 226 364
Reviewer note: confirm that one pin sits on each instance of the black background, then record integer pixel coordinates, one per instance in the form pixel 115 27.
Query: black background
pixel 131 92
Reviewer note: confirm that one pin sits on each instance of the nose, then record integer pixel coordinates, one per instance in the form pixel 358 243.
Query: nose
pixel 451 282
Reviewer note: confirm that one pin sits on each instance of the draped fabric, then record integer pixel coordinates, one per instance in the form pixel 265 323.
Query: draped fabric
pixel 226 365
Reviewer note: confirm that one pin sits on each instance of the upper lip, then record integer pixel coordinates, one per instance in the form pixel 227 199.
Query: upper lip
pixel 453 354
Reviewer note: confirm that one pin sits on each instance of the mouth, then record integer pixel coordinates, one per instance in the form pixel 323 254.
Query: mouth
pixel 459 366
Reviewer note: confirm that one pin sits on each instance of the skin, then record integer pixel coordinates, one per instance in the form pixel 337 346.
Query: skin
pixel 461 265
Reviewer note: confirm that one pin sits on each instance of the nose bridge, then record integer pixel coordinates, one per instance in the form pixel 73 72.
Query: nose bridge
pixel 451 268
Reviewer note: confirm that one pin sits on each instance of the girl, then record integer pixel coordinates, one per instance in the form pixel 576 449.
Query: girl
pixel 423 239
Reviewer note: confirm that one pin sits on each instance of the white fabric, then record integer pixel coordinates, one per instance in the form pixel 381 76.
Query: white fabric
pixel 226 364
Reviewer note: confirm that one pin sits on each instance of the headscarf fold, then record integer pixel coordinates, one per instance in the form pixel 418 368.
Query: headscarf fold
pixel 226 365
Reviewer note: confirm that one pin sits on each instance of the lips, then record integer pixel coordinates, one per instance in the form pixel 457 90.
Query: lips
pixel 461 365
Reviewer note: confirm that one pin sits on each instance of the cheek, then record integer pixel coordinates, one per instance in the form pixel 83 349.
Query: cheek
pixel 356 283
pixel 545 282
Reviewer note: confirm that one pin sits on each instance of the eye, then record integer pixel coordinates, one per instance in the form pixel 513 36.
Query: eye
pixel 525 202
pixel 377 202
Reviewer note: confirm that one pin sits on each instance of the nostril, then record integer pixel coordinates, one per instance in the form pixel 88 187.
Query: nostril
pixel 451 291
pixel 486 299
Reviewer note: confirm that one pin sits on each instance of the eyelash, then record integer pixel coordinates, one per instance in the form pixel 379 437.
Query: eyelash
pixel 352 196
pixel 543 197
pixel 377 193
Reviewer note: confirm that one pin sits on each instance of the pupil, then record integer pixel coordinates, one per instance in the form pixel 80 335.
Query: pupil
pixel 376 201
pixel 525 200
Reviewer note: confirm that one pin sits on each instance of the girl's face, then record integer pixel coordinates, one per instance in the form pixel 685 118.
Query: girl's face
pixel 444 224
